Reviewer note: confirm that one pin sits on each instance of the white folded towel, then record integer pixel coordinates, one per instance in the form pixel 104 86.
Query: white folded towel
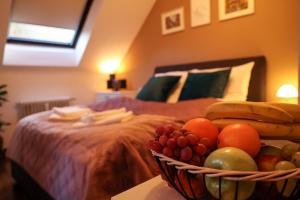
pixel 71 111
pixel 55 117
pixel 114 118
pixel 96 116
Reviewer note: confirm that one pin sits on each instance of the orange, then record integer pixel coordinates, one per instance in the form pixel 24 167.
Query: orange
pixel 203 128
pixel 242 136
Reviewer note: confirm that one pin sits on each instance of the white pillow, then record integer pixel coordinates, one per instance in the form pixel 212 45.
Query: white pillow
pixel 238 83
pixel 174 94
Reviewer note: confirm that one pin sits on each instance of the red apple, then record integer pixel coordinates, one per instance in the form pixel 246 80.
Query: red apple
pixel 267 162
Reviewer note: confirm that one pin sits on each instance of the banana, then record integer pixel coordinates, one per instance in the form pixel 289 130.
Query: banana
pixel 292 109
pixel 266 130
pixel 295 134
pixel 259 111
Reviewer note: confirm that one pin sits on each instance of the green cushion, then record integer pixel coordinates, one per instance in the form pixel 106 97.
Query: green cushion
pixel 158 88
pixel 201 85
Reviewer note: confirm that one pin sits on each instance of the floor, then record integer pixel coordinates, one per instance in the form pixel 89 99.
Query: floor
pixel 8 190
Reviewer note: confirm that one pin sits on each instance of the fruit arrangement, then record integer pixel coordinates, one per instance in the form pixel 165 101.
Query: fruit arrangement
pixel 204 160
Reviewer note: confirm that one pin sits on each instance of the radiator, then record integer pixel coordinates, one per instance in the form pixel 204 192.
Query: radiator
pixel 27 108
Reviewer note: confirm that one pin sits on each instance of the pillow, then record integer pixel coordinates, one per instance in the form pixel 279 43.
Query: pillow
pixel 201 85
pixel 238 84
pixel 175 92
pixel 158 88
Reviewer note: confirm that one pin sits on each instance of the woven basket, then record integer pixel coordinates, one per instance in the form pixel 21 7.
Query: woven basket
pixel 169 168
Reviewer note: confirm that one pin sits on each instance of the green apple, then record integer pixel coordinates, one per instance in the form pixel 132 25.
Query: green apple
pixel 291 184
pixel 289 149
pixel 230 158
pixel 296 159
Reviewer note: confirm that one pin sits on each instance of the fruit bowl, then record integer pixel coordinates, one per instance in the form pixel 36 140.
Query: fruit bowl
pixel 191 181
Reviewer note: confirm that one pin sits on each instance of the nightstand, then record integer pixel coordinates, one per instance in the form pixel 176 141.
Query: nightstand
pixel 105 95
pixel 153 189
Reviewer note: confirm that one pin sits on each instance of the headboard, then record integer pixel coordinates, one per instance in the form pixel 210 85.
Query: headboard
pixel 257 85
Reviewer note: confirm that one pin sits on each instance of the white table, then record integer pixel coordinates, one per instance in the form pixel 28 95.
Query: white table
pixel 153 189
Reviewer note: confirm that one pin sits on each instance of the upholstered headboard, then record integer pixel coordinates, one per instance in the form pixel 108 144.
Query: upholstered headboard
pixel 257 86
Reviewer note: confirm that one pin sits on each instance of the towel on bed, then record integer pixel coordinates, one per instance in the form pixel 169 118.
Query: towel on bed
pixel 113 118
pixel 71 111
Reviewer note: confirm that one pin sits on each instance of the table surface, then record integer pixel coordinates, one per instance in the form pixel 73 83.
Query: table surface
pixel 153 189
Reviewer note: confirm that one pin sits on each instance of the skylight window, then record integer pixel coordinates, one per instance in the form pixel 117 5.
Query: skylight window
pixel 48 23
pixel 38 33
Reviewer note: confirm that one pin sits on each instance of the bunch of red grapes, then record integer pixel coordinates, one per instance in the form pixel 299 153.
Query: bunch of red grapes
pixel 180 144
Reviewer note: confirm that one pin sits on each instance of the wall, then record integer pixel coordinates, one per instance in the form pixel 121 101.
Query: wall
pixel 111 37
pixel 272 31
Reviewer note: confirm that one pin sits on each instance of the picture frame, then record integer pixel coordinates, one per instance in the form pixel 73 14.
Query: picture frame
pixel 200 12
pixel 229 9
pixel 173 21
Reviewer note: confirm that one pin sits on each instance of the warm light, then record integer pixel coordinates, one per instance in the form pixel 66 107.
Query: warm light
pixel 110 66
pixel 287 91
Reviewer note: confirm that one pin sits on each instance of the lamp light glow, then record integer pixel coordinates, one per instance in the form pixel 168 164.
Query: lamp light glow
pixel 110 66
pixel 287 91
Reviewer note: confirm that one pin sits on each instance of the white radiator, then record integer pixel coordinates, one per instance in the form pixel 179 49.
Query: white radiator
pixel 27 108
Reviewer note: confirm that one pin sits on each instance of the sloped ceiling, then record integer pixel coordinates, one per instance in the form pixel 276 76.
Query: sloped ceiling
pixel 116 25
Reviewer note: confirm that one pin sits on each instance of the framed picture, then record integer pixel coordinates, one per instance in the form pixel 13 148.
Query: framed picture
pixel 172 21
pixel 235 8
pixel 200 12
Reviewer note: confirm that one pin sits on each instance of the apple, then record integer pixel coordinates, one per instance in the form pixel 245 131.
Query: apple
pixel 196 184
pixel 268 157
pixel 230 158
pixel 270 150
pixel 291 184
pixel 267 162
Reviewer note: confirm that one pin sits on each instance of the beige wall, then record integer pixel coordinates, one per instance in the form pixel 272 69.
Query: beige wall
pixel 272 31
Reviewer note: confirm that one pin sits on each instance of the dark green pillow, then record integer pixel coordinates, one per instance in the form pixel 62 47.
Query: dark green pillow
pixel 201 85
pixel 158 88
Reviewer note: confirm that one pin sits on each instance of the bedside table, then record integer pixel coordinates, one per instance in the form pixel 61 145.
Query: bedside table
pixel 153 189
pixel 105 95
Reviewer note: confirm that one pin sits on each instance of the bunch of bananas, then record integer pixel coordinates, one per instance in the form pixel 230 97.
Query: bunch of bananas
pixel 271 120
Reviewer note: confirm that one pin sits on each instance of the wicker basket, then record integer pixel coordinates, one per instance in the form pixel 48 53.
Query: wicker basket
pixel 169 168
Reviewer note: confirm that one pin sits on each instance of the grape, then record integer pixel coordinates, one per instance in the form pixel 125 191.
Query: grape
pixel 182 141
pixel 186 154
pixel 177 134
pixel 177 152
pixel 183 131
pixel 167 152
pixel 200 149
pixel 196 160
pixel 205 141
pixel 169 129
pixel 171 143
pixel 163 140
pixel 155 146
pixel 160 130
pixel 193 139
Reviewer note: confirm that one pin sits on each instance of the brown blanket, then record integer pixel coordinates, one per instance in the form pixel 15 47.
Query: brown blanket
pixel 93 162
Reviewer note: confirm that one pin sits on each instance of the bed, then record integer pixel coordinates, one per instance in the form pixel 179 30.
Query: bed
pixel 58 161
